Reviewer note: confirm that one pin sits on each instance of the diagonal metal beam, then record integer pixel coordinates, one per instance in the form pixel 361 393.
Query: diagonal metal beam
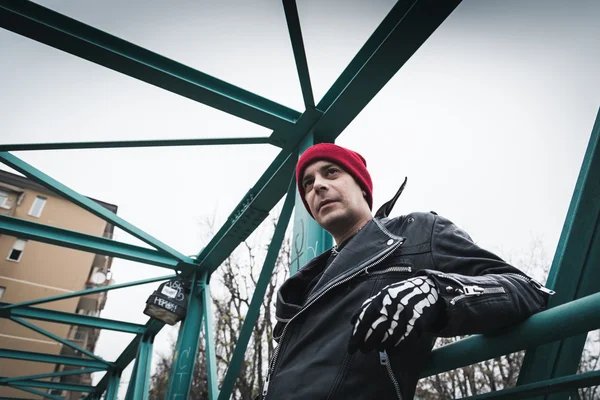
pixel 60 317
pixel 51 375
pixel 406 27
pixel 58 339
pixel 266 273
pixel 64 33
pixel 88 291
pixel 37 392
pixel 252 210
pixel 51 358
pixel 574 271
pixel 52 385
pixel 134 143
pixel 86 203
pixel 81 241
pixel 293 23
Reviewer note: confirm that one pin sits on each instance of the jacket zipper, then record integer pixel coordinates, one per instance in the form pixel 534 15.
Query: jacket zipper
pixel 385 360
pixel 390 269
pixel 276 353
pixel 537 285
pixel 477 291
pixel 471 290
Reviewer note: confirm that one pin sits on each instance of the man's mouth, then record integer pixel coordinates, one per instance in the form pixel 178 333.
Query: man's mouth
pixel 326 202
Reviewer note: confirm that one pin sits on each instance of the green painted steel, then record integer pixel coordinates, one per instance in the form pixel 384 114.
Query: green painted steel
pixel 37 392
pixel 14 398
pixel 87 204
pixel 574 271
pixel 210 346
pixel 406 27
pixel 50 375
pixel 59 31
pixel 87 292
pixel 112 391
pixel 53 385
pixel 293 23
pixel 308 239
pixel 562 384
pixel 58 339
pixel 258 296
pixel 95 244
pixel 134 143
pixel 559 322
pixel 60 317
pixel 141 379
pixel 131 385
pixel 50 358
pixel 184 360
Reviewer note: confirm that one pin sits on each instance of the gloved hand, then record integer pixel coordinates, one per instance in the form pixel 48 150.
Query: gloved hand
pixel 396 312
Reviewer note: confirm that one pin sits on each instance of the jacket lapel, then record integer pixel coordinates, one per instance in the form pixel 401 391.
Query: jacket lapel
pixel 371 243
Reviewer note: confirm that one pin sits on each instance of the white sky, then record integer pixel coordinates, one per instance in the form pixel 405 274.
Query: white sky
pixel 489 120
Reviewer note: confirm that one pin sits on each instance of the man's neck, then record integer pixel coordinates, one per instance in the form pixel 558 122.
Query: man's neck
pixel 348 233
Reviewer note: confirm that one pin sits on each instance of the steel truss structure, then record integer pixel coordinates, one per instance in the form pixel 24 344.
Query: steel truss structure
pixel 554 338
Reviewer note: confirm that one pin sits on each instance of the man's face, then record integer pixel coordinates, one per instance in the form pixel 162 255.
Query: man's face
pixel 335 200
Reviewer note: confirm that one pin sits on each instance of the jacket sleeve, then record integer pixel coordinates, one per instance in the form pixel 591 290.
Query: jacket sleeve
pixel 480 292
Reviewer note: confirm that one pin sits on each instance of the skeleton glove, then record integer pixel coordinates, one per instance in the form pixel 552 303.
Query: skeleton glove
pixel 398 311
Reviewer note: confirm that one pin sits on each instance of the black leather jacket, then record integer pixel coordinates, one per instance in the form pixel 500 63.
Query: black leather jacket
pixel 481 293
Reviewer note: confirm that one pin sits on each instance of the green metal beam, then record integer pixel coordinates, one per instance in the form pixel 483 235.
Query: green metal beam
pixel 250 212
pixel 293 23
pixel 141 378
pixel 84 202
pixel 406 27
pixel 37 392
pixel 22 228
pixel 308 238
pixel 210 346
pixel 58 339
pixel 50 375
pixel 59 31
pixel 15 398
pixel 50 358
pixel 574 271
pixel 60 317
pixel 184 359
pixel 53 385
pixel 559 322
pixel 113 386
pixel 253 312
pixel 562 384
pixel 134 143
pixel 88 292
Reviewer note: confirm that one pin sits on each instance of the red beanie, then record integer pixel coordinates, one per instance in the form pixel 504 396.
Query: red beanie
pixel 352 162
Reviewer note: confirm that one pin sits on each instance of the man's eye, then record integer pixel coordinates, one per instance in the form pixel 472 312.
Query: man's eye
pixel 332 171
pixel 307 183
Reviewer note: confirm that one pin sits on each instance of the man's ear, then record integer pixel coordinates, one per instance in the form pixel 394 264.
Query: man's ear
pixel 364 194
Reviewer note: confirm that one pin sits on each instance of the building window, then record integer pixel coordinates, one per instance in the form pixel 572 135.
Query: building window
pixel 4 200
pixel 17 251
pixel 2 290
pixel 37 206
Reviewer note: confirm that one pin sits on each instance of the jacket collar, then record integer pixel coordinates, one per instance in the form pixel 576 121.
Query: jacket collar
pixel 372 243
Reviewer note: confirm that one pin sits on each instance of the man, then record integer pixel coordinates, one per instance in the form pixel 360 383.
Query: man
pixel 388 288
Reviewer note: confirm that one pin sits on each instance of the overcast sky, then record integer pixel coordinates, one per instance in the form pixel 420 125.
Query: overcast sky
pixel 489 120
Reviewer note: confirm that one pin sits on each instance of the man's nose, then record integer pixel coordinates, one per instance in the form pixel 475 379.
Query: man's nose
pixel 320 183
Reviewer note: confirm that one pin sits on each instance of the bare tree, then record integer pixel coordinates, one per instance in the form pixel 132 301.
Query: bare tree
pixel 232 288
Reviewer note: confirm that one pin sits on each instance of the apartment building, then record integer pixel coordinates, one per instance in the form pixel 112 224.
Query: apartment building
pixel 32 270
